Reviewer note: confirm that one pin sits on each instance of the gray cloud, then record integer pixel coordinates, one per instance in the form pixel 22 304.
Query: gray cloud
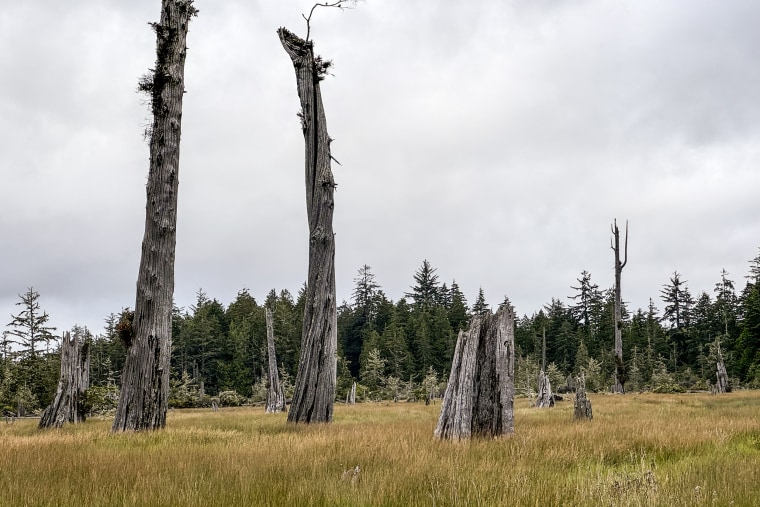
pixel 497 141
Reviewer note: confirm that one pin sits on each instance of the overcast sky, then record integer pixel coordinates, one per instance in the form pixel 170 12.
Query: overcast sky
pixel 497 139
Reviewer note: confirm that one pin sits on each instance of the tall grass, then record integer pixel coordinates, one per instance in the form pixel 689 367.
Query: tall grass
pixel 688 449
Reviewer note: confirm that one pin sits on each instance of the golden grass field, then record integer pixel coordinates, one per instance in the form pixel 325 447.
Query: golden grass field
pixel 684 449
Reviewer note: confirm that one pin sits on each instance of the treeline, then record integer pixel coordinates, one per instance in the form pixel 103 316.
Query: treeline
pixel 403 349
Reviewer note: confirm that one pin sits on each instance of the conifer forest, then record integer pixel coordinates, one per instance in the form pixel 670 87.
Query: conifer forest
pixel 402 348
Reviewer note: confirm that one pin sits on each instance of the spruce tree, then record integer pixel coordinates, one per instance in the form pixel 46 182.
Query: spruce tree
pixel 30 327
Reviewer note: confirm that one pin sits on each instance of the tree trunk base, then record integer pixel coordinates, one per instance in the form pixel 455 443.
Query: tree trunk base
pixel 582 403
pixel 479 398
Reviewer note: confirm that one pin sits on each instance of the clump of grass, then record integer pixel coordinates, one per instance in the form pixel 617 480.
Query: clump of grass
pixel 639 450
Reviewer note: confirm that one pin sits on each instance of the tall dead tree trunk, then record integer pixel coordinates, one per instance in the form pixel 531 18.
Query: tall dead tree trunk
pixel 479 398
pixel 68 406
pixel 145 378
pixel 722 385
pixel 582 409
pixel 545 397
pixel 314 393
pixel 620 374
pixel 275 395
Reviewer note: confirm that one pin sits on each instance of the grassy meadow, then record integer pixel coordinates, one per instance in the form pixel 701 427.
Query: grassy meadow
pixel 650 449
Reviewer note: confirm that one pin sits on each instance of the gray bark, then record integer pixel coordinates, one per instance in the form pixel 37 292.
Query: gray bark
pixel 479 398
pixel 314 393
pixel 582 403
pixel 352 395
pixel 722 385
pixel 145 377
pixel 545 397
pixel 619 386
pixel 275 395
pixel 68 406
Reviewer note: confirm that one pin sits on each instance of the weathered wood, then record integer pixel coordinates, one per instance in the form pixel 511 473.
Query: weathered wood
pixel 479 398
pixel 582 403
pixel 722 385
pixel 68 406
pixel 620 375
pixel 145 377
pixel 275 394
pixel 314 393
pixel 352 395
pixel 545 397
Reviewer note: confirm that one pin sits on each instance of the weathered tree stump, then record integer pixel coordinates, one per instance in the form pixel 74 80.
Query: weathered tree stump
pixel 68 406
pixel 545 397
pixel 351 397
pixel 275 395
pixel 582 403
pixel 314 393
pixel 479 398
pixel 722 385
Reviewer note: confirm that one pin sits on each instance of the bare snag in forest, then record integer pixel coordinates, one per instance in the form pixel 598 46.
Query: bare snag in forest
pixel 545 396
pixel 275 395
pixel 620 374
pixel 145 376
pixel 722 385
pixel 479 398
pixel 69 404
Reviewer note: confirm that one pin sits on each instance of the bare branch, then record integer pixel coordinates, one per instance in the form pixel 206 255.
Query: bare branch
pixel 625 258
pixel 340 4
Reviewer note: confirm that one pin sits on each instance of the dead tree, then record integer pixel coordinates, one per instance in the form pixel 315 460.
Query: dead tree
pixel 315 384
pixel 145 377
pixel 351 396
pixel 479 398
pixel 620 374
pixel 582 403
pixel 545 397
pixel 275 395
pixel 69 404
pixel 722 385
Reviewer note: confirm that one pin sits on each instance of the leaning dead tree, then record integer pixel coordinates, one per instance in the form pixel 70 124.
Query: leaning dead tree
pixel 620 375
pixel 315 384
pixel 275 395
pixel 479 398
pixel 145 376
pixel 582 409
pixel 545 397
pixel 68 406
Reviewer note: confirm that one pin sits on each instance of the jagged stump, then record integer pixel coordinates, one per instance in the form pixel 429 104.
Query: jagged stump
pixel 479 398
pixel 545 395
pixel 68 406
pixel 582 403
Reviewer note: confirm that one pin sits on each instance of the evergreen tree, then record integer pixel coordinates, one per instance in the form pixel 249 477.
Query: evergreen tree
pixel 365 294
pixel 425 291
pixel 457 309
pixel 677 313
pixel 30 327
pixel 480 307
pixel 586 300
